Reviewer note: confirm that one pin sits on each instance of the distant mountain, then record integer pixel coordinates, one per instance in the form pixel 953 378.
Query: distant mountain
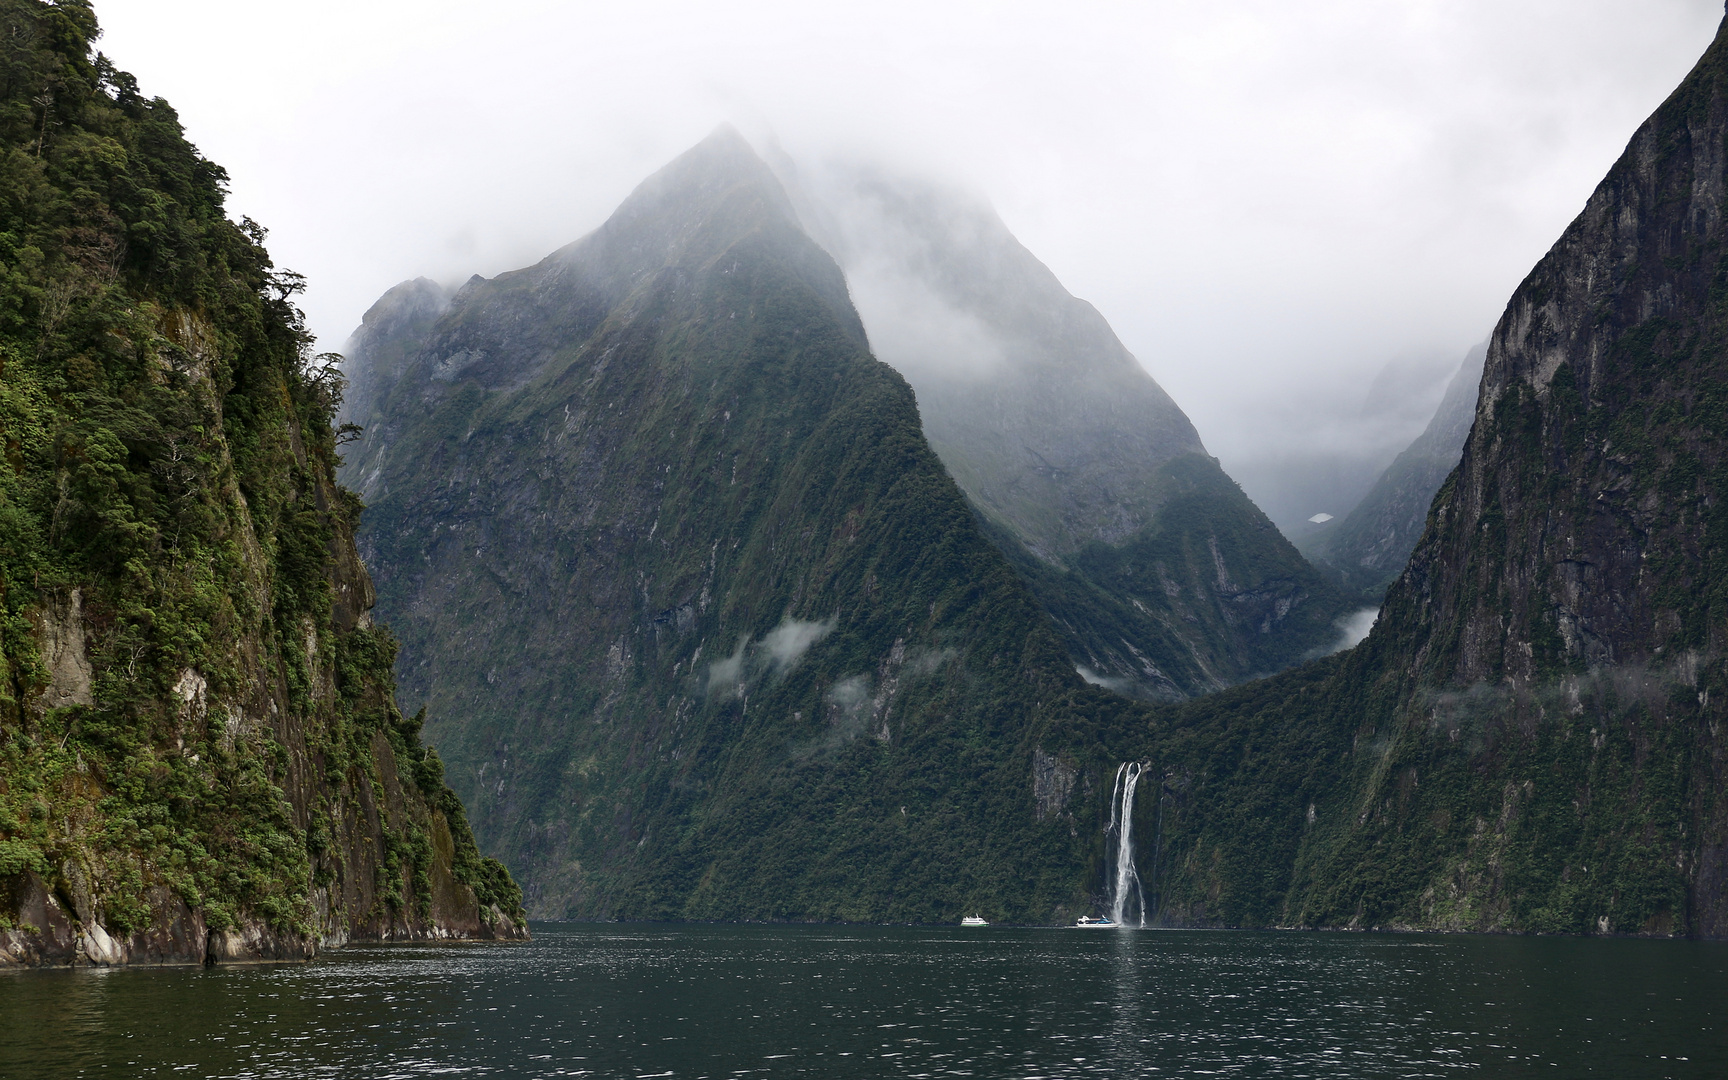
pixel 1166 580
pixel 1368 548
pixel 1352 429
pixel 708 631
pixel 379 351
pixel 704 628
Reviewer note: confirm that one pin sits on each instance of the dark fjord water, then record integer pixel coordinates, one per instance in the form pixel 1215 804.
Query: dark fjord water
pixel 727 1001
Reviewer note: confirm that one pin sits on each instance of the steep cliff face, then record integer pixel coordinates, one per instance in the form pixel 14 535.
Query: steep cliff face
pixel 1165 579
pixel 1370 546
pixel 704 628
pixel 1532 737
pixel 201 758
pixel 1582 527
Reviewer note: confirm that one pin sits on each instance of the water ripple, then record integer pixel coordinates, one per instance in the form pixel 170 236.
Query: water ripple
pixel 703 1001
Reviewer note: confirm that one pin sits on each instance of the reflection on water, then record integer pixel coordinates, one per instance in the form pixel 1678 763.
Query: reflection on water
pixel 1129 1008
pixel 695 1001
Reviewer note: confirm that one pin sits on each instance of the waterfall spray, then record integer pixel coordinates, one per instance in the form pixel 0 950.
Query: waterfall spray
pixel 1122 824
pixel 1115 800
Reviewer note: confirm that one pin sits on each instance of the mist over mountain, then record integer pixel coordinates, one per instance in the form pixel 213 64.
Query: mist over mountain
pixel 709 630
pixel 1046 421
pixel 398 323
pixel 1164 577
pixel 704 628
pixel 1335 445
pixel 1368 547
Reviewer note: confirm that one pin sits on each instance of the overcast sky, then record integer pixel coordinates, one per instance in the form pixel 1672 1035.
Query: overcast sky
pixel 1269 200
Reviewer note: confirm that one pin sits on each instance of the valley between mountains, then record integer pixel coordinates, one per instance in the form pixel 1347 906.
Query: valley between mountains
pixel 795 547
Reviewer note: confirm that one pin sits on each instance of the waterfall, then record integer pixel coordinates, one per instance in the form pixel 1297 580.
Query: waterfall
pixel 1122 824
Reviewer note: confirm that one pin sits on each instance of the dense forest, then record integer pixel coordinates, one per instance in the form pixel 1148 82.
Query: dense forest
pixel 200 751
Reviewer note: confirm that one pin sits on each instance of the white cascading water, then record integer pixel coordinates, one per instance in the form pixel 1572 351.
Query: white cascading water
pixel 1122 824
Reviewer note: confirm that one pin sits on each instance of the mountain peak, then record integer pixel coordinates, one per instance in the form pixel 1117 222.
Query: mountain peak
pixel 715 206
pixel 1047 421
pixel 720 173
pixel 655 507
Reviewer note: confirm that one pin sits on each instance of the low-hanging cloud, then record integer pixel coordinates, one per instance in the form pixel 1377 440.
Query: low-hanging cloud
pixel 1353 628
pixel 787 643
pixel 774 656
pixel 727 674
pixel 849 693
pixel 1092 678
pixel 1267 200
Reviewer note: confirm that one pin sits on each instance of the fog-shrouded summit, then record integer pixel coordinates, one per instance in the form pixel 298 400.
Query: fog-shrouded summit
pixel 1368 547
pixel 704 628
pixel 400 317
pixel 565 296
pixel 1047 422
pixel 1165 578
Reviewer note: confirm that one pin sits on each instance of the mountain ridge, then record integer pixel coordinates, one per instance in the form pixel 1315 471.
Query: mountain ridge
pixel 704 628
pixel 1165 579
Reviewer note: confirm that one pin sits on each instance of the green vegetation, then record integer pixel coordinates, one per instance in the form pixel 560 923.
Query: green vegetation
pixel 706 631
pixel 1208 596
pixel 1531 738
pixel 192 697
pixel 608 553
pixel 1333 795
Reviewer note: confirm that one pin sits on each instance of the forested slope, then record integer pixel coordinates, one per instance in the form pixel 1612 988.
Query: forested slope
pixel 705 629
pixel 201 755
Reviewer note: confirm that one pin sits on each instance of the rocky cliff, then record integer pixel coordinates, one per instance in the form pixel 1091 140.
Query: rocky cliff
pixel 1368 548
pixel 201 757
pixel 1163 577
pixel 704 628
pixel 1531 738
